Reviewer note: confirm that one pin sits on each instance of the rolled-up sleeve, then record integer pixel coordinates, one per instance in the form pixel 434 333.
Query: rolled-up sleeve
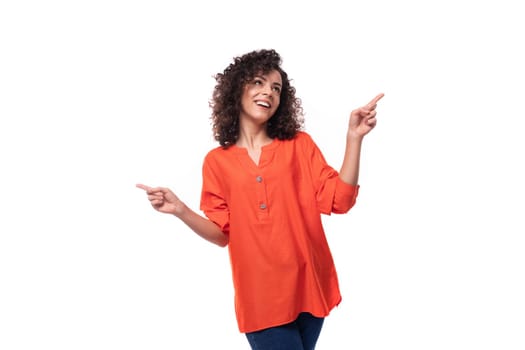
pixel 345 196
pixel 332 194
pixel 212 203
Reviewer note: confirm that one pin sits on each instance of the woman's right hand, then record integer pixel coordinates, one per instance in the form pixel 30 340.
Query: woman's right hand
pixel 163 200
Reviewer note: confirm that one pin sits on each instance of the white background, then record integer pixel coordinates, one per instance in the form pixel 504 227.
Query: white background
pixel 96 96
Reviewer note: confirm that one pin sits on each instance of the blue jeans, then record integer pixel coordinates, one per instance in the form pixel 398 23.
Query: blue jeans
pixel 301 334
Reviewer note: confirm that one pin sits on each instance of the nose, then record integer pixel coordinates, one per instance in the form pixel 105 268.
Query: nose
pixel 267 89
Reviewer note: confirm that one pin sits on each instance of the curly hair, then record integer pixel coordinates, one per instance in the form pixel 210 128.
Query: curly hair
pixel 226 99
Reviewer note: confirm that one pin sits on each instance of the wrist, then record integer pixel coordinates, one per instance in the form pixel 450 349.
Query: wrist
pixel 180 210
pixel 354 138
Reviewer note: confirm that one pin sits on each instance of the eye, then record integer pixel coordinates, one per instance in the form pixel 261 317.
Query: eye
pixel 277 89
pixel 257 82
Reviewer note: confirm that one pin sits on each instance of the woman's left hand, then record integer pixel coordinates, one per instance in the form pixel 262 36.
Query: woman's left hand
pixel 363 119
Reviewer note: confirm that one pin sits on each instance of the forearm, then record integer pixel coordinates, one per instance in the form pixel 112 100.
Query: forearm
pixel 349 172
pixel 204 227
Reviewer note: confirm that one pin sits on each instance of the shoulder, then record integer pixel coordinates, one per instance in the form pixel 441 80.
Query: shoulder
pixel 301 144
pixel 218 154
pixel 304 139
pixel 300 136
pixel 218 151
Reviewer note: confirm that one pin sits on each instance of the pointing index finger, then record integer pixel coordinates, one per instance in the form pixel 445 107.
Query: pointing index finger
pixel 143 187
pixel 374 101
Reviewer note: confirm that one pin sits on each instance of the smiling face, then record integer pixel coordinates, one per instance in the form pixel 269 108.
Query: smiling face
pixel 261 97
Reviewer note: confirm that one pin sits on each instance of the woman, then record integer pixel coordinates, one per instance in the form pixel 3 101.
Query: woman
pixel 264 190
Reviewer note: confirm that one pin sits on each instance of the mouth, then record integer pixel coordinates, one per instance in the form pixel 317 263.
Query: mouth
pixel 264 104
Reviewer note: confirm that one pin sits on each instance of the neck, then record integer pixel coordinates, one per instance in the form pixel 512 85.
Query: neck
pixel 253 138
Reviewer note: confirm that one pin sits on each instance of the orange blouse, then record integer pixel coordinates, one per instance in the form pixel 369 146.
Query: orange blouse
pixel 280 259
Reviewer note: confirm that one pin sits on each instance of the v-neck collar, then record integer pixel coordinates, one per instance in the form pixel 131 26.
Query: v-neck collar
pixel 267 154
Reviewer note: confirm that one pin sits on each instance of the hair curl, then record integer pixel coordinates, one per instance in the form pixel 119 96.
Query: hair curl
pixel 226 98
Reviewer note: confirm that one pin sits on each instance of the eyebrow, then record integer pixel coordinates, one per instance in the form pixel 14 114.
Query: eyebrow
pixel 263 78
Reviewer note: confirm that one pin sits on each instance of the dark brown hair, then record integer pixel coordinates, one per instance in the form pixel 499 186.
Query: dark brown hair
pixel 226 98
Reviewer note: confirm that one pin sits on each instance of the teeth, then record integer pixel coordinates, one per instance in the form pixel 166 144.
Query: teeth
pixel 264 104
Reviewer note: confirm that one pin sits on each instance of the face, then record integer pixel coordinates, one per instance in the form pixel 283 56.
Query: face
pixel 261 97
